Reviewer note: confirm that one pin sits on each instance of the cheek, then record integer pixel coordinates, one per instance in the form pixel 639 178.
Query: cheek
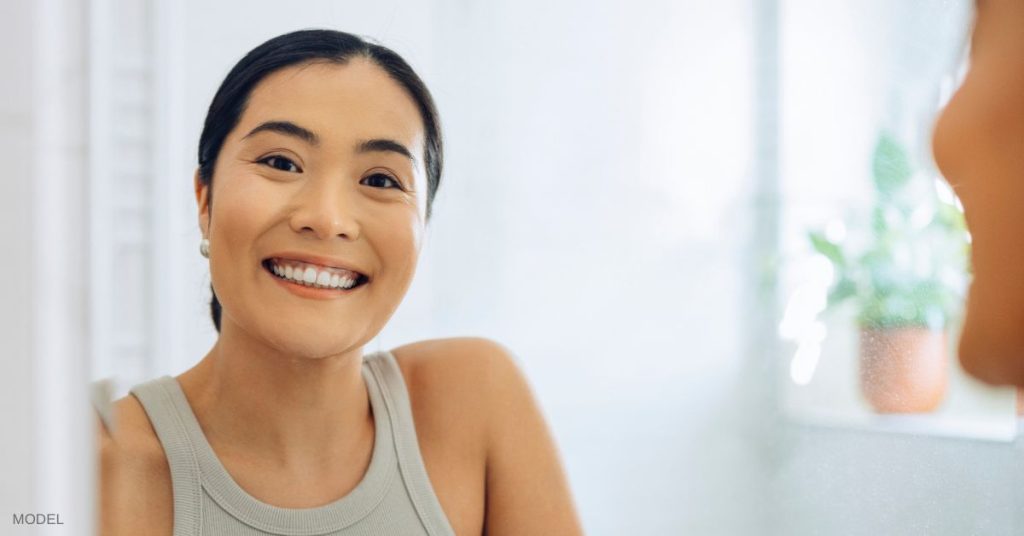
pixel 399 236
pixel 239 210
pixel 241 201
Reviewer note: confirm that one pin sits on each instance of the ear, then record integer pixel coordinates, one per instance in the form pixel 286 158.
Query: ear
pixel 203 202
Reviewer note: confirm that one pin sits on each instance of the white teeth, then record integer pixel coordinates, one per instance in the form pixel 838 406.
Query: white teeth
pixel 311 277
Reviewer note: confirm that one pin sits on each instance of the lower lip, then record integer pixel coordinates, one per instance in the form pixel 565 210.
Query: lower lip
pixel 313 292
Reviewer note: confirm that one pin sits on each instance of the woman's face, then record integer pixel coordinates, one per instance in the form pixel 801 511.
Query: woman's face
pixel 325 166
pixel 979 146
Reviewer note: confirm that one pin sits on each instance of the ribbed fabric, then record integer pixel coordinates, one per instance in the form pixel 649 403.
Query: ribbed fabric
pixel 393 498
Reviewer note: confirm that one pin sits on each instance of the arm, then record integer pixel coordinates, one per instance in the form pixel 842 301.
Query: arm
pixel 527 490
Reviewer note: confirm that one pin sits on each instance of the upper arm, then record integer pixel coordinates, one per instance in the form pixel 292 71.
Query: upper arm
pixel 527 489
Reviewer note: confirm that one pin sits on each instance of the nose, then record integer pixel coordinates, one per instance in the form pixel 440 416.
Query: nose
pixel 327 208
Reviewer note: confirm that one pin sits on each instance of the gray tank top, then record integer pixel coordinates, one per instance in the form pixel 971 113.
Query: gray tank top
pixel 393 498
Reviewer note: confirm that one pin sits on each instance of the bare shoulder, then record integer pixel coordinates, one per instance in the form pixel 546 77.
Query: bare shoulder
pixel 460 362
pixel 479 375
pixel 452 380
pixel 135 484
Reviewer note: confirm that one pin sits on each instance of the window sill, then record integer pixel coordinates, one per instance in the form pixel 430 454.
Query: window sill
pixel 1002 429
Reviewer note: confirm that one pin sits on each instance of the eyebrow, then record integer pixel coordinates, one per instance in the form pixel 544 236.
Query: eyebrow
pixel 384 145
pixel 291 129
pixel 288 129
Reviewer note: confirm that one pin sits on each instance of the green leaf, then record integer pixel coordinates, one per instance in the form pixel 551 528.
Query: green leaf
pixel 826 247
pixel 890 166
pixel 844 289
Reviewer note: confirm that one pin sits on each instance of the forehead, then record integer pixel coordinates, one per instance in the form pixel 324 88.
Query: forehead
pixel 340 102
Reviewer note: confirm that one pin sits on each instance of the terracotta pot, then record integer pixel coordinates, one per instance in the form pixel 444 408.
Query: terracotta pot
pixel 903 370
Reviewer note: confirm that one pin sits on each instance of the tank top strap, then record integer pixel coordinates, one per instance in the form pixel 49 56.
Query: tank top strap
pixel 395 393
pixel 158 398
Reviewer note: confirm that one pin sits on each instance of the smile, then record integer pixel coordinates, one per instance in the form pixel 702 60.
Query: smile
pixel 314 277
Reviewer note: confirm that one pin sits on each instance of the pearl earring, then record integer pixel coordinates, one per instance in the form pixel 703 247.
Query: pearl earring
pixel 204 248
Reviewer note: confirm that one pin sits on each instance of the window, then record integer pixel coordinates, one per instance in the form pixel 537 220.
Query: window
pixel 873 245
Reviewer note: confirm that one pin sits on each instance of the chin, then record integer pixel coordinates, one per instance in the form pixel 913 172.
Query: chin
pixel 303 340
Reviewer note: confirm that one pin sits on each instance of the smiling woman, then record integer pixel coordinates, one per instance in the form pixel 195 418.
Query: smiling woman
pixel 323 152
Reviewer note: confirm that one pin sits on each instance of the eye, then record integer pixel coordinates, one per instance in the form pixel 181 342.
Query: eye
pixel 380 180
pixel 280 163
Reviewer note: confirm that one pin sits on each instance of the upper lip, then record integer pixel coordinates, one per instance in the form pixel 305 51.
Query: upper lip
pixel 332 262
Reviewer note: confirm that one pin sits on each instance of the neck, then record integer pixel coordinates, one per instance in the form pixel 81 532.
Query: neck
pixel 291 412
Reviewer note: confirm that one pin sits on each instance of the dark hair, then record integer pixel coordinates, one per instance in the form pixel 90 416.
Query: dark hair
pixel 307 46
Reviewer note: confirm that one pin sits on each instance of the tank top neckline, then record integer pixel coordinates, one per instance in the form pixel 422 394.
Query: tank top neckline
pixel 330 517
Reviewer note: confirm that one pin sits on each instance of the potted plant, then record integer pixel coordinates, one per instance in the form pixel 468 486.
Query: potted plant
pixel 903 267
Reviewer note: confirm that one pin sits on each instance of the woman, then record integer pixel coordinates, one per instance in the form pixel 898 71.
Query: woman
pixel 318 162
pixel 979 146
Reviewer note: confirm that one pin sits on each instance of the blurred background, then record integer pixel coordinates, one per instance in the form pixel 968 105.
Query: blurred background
pixel 711 233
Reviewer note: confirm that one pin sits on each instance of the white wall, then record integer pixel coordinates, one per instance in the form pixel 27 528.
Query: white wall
pixel 594 223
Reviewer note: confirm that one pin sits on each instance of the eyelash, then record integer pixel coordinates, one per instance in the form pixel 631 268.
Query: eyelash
pixel 393 180
pixel 266 161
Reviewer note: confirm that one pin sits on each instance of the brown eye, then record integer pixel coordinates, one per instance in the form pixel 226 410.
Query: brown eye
pixel 280 163
pixel 380 180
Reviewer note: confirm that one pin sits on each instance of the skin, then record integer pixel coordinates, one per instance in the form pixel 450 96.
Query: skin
pixel 284 365
pixel 979 146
